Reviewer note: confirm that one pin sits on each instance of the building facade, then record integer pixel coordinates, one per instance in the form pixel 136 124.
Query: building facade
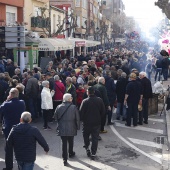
pixel 11 12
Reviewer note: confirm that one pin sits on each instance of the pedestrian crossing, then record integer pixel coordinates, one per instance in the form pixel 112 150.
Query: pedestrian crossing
pixel 143 143
pixel 141 128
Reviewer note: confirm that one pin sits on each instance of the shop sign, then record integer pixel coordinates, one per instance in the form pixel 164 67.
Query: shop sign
pixel 80 43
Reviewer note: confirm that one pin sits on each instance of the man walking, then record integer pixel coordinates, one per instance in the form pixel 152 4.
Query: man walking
pixel 68 123
pixel 92 111
pixel 11 111
pixel 23 138
pixel 100 86
pixel 32 93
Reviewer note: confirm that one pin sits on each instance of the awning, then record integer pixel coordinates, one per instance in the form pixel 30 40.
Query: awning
pixel 78 42
pixel 54 44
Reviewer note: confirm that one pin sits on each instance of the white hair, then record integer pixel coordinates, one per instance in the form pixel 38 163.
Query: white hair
pixel 56 78
pixel 66 97
pixel 123 75
pixel 44 83
pixel 26 117
pixel 142 73
pixel 100 79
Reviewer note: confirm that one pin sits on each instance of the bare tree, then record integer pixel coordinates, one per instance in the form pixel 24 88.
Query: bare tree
pixel 165 6
pixel 69 19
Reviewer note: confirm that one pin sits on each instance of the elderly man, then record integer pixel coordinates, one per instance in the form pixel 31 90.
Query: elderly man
pixel 11 111
pixel 32 93
pixel 133 97
pixel 68 120
pixel 92 111
pixel 120 93
pixel 100 86
pixel 70 88
pixel 147 93
pixel 25 136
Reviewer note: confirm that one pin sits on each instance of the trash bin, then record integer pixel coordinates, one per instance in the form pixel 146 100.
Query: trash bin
pixel 153 104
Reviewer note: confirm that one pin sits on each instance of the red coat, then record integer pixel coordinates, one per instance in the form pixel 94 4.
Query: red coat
pixel 59 89
pixel 80 94
pixel 99 64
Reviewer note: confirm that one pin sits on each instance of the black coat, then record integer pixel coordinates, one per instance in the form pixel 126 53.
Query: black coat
pixel 121 89
pixel 102 89
pixel 147 88
pixel 92 111
pixel 23 138
pixel 111 89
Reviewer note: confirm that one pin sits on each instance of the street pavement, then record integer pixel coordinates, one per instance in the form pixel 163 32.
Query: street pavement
pixel 122 148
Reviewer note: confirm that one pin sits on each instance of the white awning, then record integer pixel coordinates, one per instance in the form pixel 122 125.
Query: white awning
pixel 78 42
pixel 54 44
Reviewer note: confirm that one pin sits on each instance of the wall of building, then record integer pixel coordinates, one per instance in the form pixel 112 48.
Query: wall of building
pixel 17 3
pixel 30 8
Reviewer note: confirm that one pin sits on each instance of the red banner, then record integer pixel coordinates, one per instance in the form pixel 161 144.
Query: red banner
pixel 80 43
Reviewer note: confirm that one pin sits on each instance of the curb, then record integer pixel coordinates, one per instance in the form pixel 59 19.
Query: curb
pixel 166 147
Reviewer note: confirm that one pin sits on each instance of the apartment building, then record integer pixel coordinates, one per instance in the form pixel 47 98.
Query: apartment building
pixel 11 12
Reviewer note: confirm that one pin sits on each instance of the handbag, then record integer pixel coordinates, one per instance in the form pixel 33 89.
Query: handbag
pixel 57 129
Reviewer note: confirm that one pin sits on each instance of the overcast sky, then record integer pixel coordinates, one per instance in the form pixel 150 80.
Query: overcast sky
pixel 144 11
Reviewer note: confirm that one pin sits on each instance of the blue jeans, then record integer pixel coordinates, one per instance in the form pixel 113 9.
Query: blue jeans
pixel 149 75
pixel 165 73
pixel 25 165
pixel 158 72
pixel 121 107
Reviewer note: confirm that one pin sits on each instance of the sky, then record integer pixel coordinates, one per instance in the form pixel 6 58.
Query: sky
pixel 144 11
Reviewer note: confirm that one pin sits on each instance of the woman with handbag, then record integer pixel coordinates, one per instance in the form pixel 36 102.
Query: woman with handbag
pixel 68 120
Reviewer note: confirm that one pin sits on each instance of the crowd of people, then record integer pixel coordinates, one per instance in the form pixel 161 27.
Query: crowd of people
pixel 86 87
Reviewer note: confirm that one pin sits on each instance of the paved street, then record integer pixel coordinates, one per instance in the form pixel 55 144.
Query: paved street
pixel 121 148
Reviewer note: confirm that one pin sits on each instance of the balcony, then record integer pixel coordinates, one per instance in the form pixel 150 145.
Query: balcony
pixel 39 22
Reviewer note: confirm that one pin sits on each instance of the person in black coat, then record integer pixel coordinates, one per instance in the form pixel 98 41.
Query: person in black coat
pixel 23 138
pixel 120 93
pixel 111 93
pixel 92 111
pixel 133 97
pixel 147 93
pixel 11 111
pixel 158 65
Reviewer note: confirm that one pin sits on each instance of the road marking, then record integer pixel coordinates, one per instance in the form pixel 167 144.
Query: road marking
pixel 156 120
pixel 146 143
pixel 158 160
pixel 140 128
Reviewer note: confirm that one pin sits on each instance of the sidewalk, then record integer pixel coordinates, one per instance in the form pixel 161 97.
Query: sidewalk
pixel 166 151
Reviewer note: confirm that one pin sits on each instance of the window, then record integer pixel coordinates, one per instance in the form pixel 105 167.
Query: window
pixel 78 22
pixel 83 22
pixel 54 24
pixel 37 11
pixel 77 3
pixel 59 19
pixel 84 4
pixel 10 18
pixel 11 15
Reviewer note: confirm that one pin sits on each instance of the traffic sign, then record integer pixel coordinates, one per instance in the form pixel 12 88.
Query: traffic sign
pixel 12 37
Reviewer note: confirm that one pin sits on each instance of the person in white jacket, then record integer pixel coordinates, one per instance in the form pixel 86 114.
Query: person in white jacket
pixel 46 103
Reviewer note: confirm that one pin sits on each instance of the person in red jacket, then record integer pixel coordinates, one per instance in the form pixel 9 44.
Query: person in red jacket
pixel 59 89
pixel 80 93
